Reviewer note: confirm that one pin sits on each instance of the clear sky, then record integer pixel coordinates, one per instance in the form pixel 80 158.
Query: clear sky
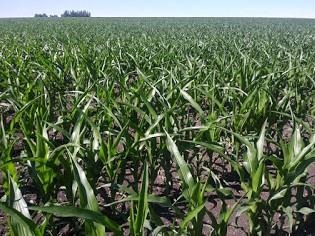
pixel 225 8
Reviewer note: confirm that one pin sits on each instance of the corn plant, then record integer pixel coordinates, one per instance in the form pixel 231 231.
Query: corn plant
pixel 136 126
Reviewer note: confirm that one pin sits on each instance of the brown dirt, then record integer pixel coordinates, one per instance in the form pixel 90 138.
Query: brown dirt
pixel 237 226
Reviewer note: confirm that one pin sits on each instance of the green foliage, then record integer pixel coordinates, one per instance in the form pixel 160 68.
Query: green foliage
pixel 148 123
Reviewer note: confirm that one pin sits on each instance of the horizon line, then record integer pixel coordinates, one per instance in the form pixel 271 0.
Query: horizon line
pixel 266 17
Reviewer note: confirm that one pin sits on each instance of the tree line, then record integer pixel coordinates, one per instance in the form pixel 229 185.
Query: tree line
pixel 44 15
pixel 67 13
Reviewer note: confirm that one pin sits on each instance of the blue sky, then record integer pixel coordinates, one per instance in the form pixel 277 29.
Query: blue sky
pixel 225 8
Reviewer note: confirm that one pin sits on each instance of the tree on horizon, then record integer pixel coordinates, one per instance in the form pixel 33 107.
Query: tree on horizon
pixel 72 13
pixel 41 15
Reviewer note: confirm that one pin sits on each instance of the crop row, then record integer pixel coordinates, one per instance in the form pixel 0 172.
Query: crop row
pixel 157 126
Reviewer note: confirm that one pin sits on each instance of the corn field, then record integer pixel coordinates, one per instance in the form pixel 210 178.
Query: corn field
pixel 151 126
